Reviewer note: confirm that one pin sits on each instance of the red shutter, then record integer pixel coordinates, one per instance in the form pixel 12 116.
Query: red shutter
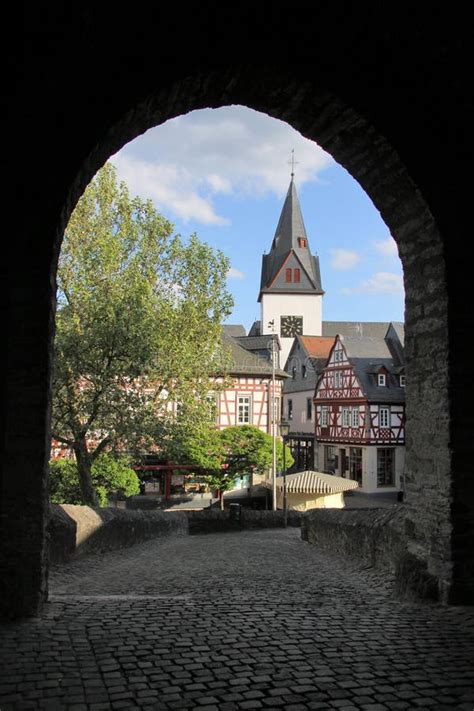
pixel 287 274
pixel 296 276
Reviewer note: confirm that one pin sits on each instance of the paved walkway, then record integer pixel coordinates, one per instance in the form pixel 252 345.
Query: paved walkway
pixel 250 620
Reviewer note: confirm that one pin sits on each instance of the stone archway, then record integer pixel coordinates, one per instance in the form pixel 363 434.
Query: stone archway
pixel 367 155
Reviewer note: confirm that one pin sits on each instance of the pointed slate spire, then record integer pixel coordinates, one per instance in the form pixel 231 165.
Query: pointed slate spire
pixel 290 245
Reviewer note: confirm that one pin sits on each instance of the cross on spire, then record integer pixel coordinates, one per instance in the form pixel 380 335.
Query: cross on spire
pixel 292 162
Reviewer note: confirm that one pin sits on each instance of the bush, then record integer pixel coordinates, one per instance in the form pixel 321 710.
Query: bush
pixel 110 476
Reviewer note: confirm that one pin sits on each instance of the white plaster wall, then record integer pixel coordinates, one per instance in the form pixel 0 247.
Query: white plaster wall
pixel 309 306
pixel 369 467
pixel 299 423
pixel 369 461
pixel 305 502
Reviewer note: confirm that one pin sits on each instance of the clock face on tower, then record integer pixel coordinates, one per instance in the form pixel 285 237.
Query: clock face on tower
pixel 291 326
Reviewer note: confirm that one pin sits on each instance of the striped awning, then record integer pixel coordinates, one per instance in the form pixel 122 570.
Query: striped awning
pixel 310 482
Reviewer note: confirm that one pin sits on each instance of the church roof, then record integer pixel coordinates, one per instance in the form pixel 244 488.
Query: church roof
pixel 290 241
pixel 373 329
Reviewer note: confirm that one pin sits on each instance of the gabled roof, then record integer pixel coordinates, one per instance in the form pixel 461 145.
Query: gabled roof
pixel 316 346
pixel 290 230
pixel 368 355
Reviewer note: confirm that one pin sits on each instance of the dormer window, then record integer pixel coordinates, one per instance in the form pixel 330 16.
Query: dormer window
pixel 381 380
pixel 293 372
pixel 302 242
pixel 296 275
pixel 287 275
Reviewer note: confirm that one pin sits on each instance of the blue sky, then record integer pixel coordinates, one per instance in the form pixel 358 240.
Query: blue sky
pixel 224 173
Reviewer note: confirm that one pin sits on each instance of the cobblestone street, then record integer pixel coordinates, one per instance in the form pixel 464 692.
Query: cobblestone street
pixel 245 620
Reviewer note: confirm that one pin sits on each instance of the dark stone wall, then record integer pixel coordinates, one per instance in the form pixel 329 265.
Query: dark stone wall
pixel 79 530
pixel 220 521
pixel 377 537
pixel 386 91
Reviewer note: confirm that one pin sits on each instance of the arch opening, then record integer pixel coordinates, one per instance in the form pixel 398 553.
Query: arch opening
pixel 356 145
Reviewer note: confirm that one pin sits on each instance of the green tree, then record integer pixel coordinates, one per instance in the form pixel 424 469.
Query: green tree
pixel 109 476
pixel 223 456
pixel 138 327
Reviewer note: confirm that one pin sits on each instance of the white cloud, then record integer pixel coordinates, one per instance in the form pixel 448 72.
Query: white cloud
pixel 387 247
pixel 235 274
pixel 379 283
pixel 169 186
pixel 231 150
pixel 344 259
pixel 219 184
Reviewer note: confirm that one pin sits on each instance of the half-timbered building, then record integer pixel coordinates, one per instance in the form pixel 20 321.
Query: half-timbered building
pixel 360 411
pixel 255 383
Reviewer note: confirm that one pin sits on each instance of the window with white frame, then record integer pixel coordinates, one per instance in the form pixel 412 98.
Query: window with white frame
pixel 337 379
pixel 324 417
pixel 244 403
pixel 355 417
pixel 402 381
pixel 290 409
pixel 309 409
pixel 384 417
pixel 381 379
pixel 346 414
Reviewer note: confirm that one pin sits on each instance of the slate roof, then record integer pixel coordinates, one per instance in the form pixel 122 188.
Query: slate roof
pixel 234 330
pixel 258 343
pixel 245 362
pixel 367 355
pixel 289 229
pixel 374 329
pixel 261 345
pixel 255 329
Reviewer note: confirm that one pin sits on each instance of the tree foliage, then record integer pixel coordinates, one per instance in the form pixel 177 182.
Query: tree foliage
pixel 109 475
pixel 138 326
pixel 223 456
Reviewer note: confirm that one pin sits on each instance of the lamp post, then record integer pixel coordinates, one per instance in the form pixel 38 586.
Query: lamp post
pixel 272 345
pixel 284 431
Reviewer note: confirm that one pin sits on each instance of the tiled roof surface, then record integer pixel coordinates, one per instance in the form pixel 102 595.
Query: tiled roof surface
pixel 316 346
pixel 311 482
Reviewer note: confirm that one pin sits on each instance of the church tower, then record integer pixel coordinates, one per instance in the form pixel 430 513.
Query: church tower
pixel 290 288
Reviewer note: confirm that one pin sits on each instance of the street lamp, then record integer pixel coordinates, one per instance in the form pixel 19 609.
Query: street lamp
pixel 284 431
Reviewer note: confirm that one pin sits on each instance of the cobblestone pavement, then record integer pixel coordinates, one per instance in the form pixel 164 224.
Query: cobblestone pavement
pixel 249 620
